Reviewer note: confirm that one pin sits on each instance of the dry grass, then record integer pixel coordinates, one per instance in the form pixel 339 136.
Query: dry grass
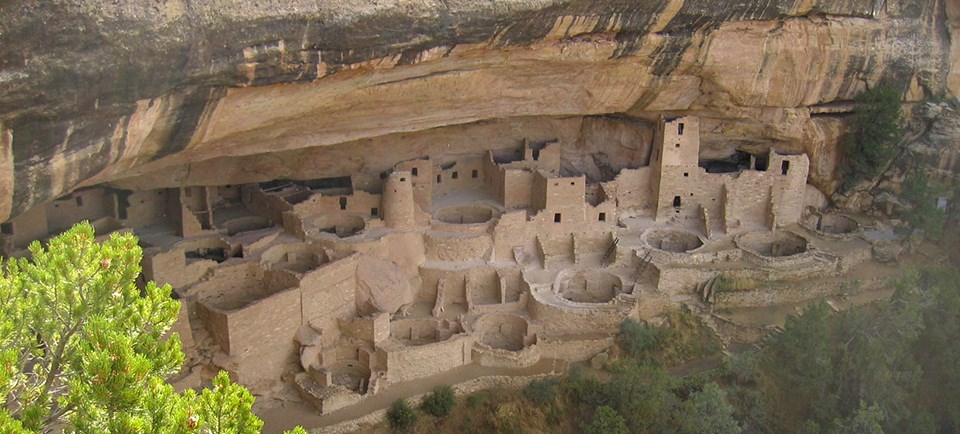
pixel 502 411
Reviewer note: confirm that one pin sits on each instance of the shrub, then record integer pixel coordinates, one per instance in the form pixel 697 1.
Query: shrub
pixel 476 400
pixel 401 415
pixel 724 284
pixel 541 392
pixel 605 421
pixel 440 402
pixel 922 192
pixel 640 340
pixel 581 388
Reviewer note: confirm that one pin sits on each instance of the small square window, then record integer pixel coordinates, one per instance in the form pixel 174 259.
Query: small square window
pixel 403 179
pixel 686 174
pixel 573 183
pixel 556 218
pixel 602 217
pixel 374 211
pixel 455 175
pixel 678 145
pixel 474 173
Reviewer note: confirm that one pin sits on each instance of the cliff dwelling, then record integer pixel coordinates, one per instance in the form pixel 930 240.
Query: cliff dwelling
pixel 346 285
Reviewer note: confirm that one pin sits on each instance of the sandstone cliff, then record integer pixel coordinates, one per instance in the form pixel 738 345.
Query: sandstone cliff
pixel 147 94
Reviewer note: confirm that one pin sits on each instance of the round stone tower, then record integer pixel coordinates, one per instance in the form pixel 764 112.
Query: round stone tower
pixel 398 206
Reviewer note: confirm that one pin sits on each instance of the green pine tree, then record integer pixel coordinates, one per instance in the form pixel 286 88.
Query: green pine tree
pixel 82 347
pixel 875 131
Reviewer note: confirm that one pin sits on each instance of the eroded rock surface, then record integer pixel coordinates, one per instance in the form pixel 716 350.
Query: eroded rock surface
pixel 176 92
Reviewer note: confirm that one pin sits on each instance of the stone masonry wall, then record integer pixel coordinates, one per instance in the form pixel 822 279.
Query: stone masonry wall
pixel 261 336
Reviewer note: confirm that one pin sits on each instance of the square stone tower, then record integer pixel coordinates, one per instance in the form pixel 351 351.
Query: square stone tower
pixel 676 151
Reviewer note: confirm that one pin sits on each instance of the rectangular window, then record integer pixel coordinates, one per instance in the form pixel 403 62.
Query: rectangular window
pixel 676 201
pixel 556 218
pixel 402 179
pixel 602 217
pixel 686 174
pixel 474 174
pixel 374 211
pixel 680 129
pixel 455 175
pixel 343 203
pixel 785 167
pixel 438 179
pixel 678 145
pixel 413 171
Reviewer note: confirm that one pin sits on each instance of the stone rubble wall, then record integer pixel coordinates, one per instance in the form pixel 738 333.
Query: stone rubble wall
pixel 572 348
pixel 484 355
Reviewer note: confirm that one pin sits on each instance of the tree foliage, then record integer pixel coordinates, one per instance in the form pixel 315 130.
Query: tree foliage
pixel 402 416
pixel 541 392
pixel 708 411
pixel 640 340
pixel 80 343
pixel 83 348
pixel 440 402
pixel 875 131
pixel 605 421
pixel 921 192
pixel 891 366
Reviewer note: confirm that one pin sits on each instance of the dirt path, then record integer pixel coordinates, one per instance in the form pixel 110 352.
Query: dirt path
pixel 290 414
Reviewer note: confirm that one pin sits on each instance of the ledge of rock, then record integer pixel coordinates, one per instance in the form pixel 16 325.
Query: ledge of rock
pixel 178 92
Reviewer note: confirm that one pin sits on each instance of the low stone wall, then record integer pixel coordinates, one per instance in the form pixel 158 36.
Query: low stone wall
pixel 559 319
pixel 556 249
pixel 457 248
pixel 680 280
pixel 484 355
pixel 590 244
pixel 461 389
pixel 691 258
pixel 789 292
pixel 405 363
pixel 572 348
pixel 462 228
pixel 781 262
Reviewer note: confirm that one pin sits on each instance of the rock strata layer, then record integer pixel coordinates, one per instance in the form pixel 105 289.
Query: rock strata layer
pixel 193 92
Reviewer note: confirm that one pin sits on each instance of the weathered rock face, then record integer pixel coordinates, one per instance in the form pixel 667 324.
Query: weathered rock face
pixel 186 92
